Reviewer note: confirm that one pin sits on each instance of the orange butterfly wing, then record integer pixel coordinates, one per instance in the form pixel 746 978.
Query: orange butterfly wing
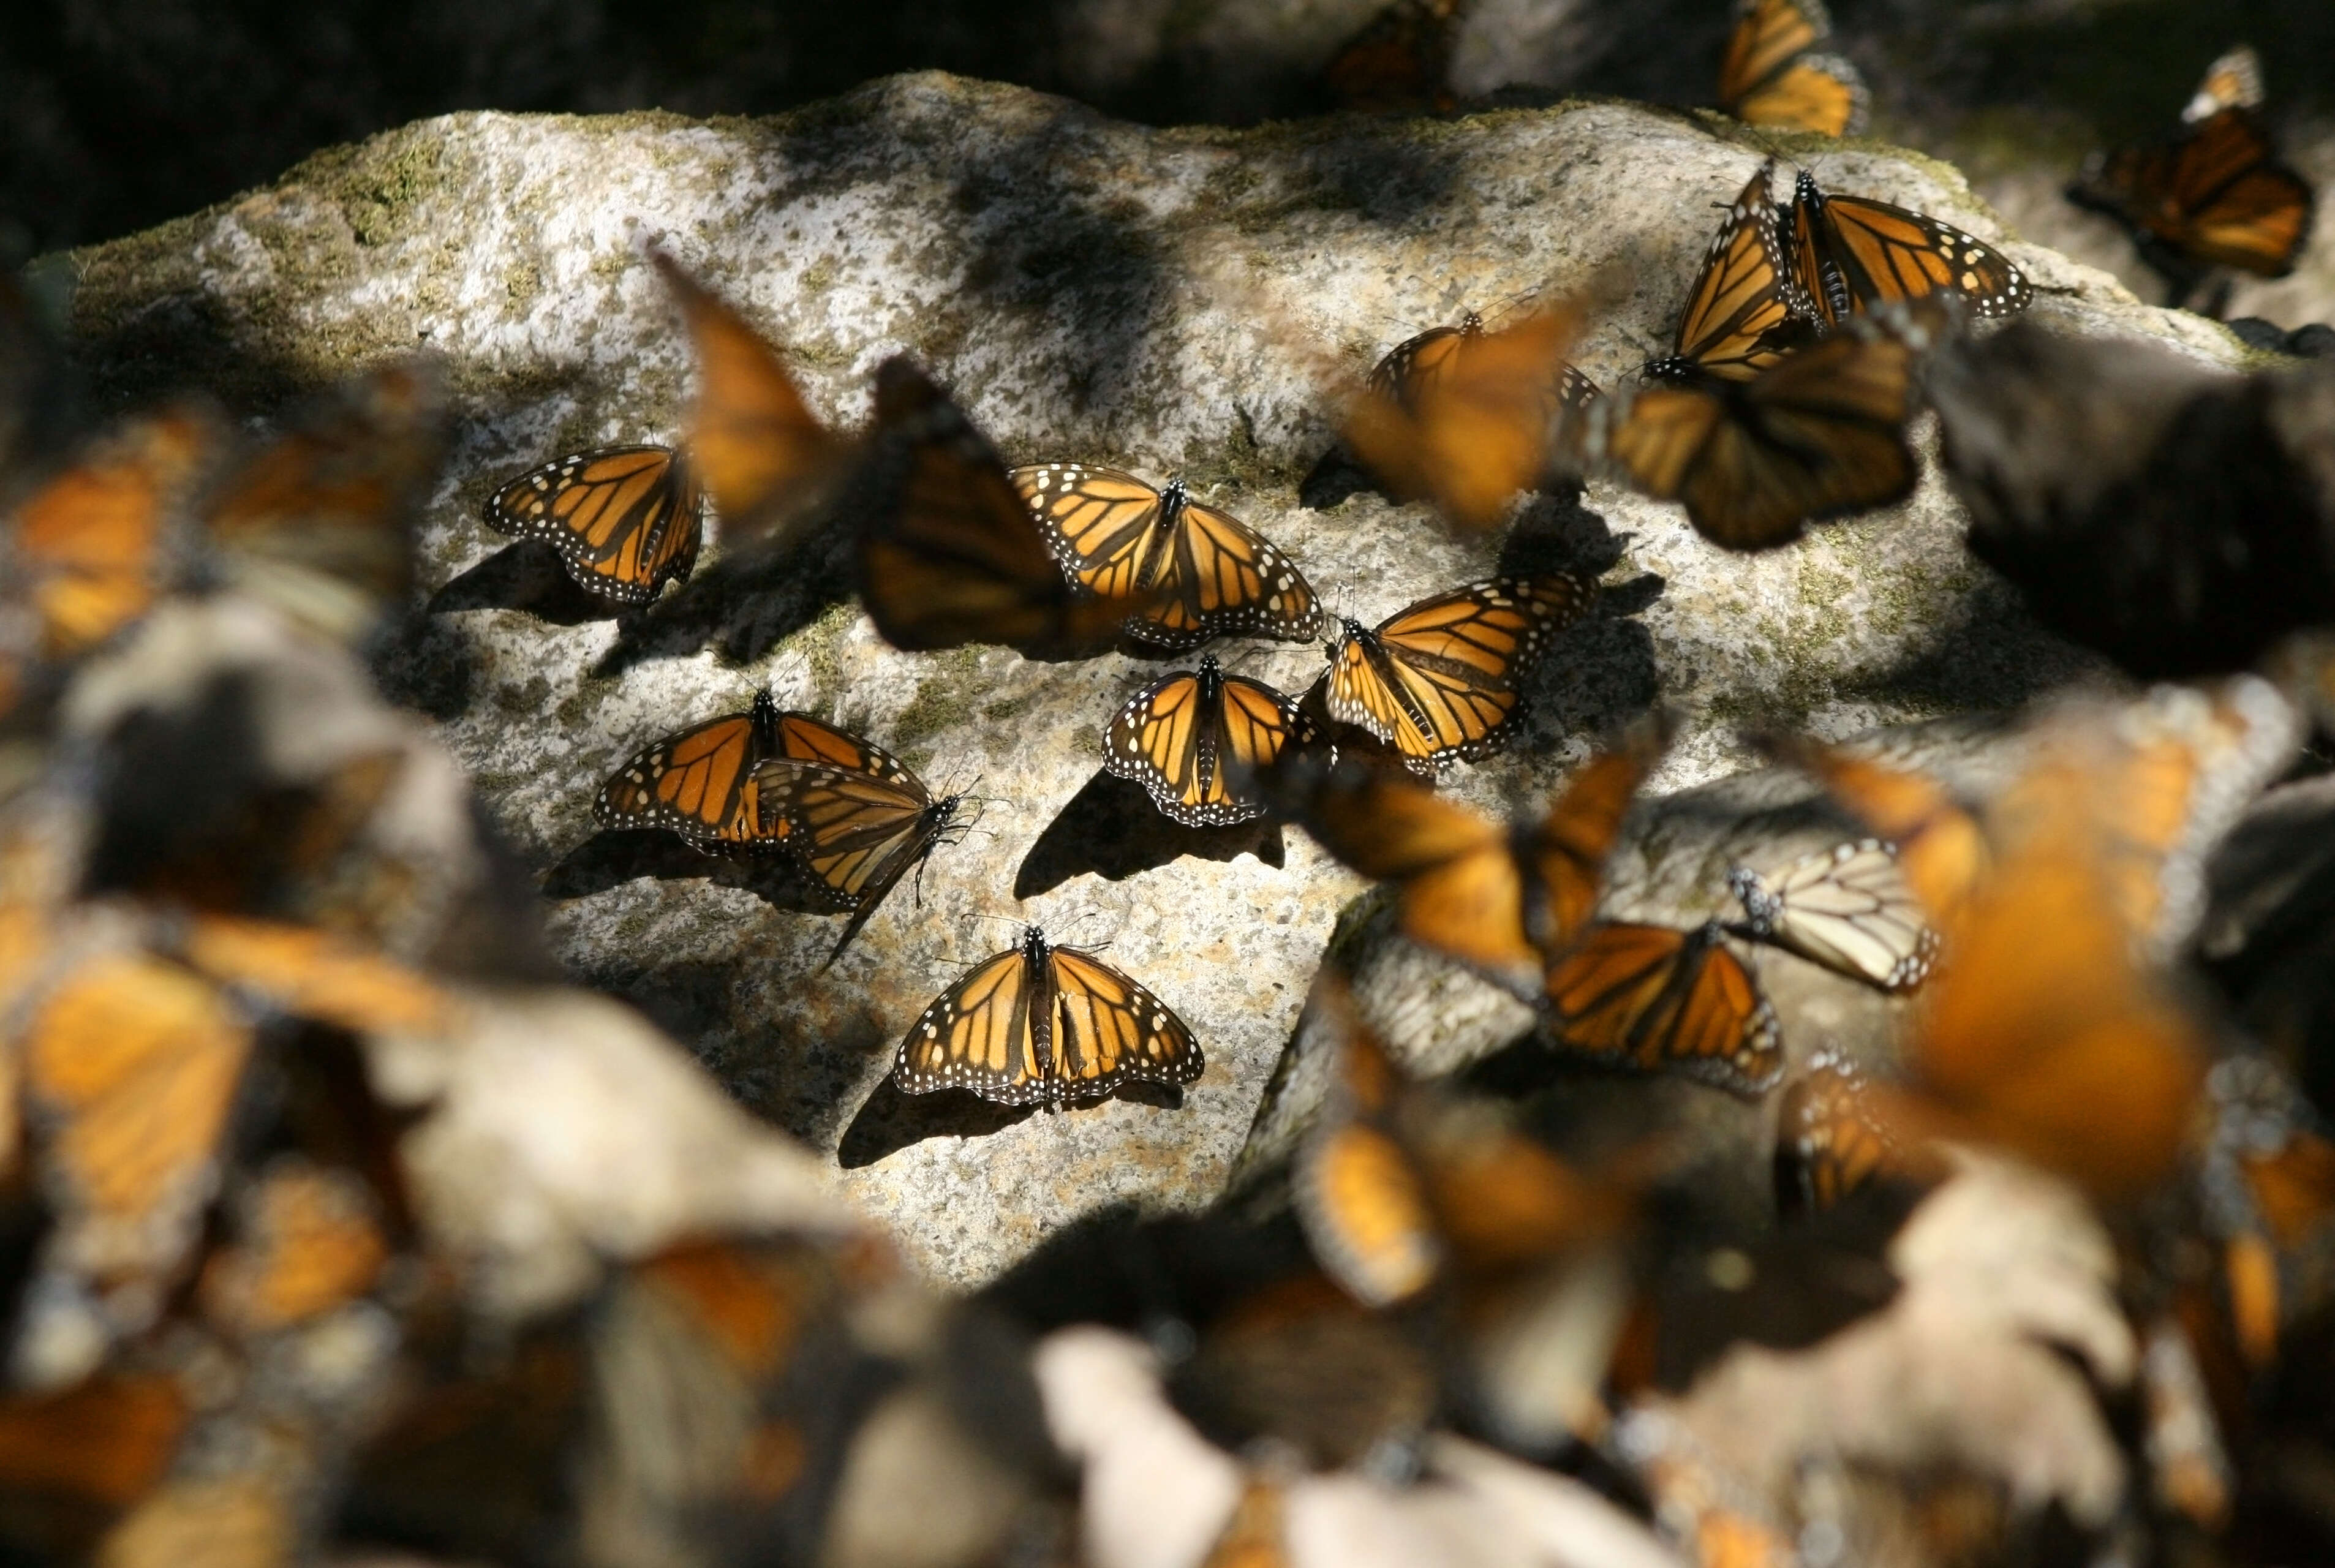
pixel 626 519
pixel 1852 254
pixel 1650 997
pixel 1744 312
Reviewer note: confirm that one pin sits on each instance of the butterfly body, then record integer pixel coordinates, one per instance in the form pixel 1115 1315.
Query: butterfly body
pixel 1439 680
pixel 1746 310
pixel 1042 1025
pixel 1650 997
pixel 1850 253
pixel 626 519
pixel 1191 738
pixel 859 825
pixel 1202 572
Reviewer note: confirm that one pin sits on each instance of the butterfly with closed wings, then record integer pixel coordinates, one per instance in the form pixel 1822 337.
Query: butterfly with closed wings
pixel 1438 679
pixel 1205 573
pixel 1194 739
pixel 1940 847
pixel 1849 254
pixel 948 553
pixel 2215 193
pixel 1770 75
pixel 859 825
pixel 1847 908
pixel 1655 998
pixel 626 519
pixel 1745 312
pixel 1818 433
pixel 703 782
pixel 1039 1024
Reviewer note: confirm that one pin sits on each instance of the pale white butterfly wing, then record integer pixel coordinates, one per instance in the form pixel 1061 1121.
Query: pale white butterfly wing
pixel 1847 908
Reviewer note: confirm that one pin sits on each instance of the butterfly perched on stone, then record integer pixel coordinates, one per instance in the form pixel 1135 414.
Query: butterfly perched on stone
pixel 626 519
pixel 1195 739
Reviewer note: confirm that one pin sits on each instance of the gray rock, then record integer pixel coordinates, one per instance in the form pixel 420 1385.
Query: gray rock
pixel 1093 290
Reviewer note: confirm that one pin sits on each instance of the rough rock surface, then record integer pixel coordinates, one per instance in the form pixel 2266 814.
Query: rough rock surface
pixel 1093 290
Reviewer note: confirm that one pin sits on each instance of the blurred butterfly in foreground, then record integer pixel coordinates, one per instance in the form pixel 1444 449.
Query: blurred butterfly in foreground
pixel 701 782
pixel 1399 61
pixel 2215 194
pixel 1745 312
pixel 1941 850
pixel 860 825
pixel 316 522
pixel 1832 1142
pixel 1212 575
pixel 949 554
pixel 1819 433
pixel 1465 420
pixel 1847 908
pixel 1195 740
pixel 767 460
pixel 1439 680
pixel 1041 1024
pixel 1500 895
pixel 1653 998
pixel 1769 77
pixel 1849 254
pixel 626 519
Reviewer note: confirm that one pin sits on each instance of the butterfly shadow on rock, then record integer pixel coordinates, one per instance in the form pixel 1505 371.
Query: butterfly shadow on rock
pixel 616 856
pixel 525 577
pixel 745 603
pixel 1111 828
pixel 891 1120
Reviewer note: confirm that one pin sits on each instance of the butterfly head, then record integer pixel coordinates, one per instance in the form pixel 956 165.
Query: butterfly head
pixel 1173 497
pixel 1472 326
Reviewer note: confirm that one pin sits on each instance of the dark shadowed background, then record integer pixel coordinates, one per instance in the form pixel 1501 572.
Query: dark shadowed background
pixel 115 114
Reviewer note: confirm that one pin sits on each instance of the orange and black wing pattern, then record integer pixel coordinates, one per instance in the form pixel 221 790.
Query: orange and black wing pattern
pixel 93 547
pixel 1196 739
pixel 1819 434
pixel 1768 76
pixel 1744 312
pixel 1039 1024
pixel 1204 572
pixel 1468 421
pixel 626 519
pixel 1833 1140
pixel 1849 254
pixel 2213 194
pixel 1439 680
pixel 700 782
pixel 948 553
pixel 1658 998
pixel 750 438
pixel 858 827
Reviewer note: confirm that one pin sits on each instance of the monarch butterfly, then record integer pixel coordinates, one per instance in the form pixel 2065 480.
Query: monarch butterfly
pixel 701 783
pixel 313 974
pixel 1651 997
pixel 1041 1024
pixel 1850 253
pixel 1193 739
pixel 1847 908
pixel 92 546
pixel 2044 1035
pixel 1393 1186
pixel 317 521
pixel 859 826
pixel 2215 193
pixel 1438 679
pixel 1819 434
pixel 626 519
pixel 1832 1140
pixel 1498 895
pixel 1942 851
pixel 1212 575
pixel 1745 312
pixel 1768 77
pixel 1468 424
pixel 766 459
pixel 948 554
